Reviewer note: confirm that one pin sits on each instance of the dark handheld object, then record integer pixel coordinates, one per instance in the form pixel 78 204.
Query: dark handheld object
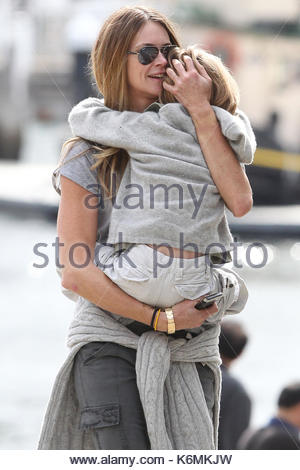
pixel 208 300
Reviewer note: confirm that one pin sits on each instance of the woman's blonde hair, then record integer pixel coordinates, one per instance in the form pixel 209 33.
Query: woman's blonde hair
pixel 225 91
pixel 108 63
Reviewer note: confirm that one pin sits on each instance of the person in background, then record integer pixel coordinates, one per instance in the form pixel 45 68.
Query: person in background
pixel 235 408
pixel 283 430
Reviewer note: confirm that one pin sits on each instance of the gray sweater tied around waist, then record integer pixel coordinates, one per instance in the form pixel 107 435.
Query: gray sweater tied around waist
pixel 167 194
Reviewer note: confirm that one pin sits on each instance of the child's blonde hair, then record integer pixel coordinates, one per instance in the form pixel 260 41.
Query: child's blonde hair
pixel 224 93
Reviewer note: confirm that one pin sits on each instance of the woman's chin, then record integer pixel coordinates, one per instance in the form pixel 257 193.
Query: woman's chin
pixel 156 86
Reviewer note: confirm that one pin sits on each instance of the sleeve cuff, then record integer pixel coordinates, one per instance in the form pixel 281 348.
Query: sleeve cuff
pixel 238 131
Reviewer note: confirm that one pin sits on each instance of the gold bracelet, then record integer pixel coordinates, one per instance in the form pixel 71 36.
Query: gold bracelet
pixel 156 319
pixel 171 322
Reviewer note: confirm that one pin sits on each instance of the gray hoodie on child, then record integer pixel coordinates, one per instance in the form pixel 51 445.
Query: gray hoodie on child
pixel 167 194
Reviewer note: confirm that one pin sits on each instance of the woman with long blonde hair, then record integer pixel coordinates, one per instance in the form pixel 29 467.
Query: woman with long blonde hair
pixel 125 385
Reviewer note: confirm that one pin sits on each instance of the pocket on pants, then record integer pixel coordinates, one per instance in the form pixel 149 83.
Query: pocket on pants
pixel 120 268
pixel 90 351
pixel 130 271
pixel 101 416
pixel 193 285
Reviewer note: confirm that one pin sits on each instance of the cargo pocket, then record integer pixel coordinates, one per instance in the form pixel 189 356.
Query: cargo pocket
pixel 91 351
pixel 120 268
pixel 192 285
pixel 132 272
pixel 103 416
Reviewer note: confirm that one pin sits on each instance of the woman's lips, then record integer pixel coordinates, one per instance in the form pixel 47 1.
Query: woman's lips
pixel 158 76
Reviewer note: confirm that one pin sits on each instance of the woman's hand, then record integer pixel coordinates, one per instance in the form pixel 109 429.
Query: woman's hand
pixel 192 87
pixel 186 316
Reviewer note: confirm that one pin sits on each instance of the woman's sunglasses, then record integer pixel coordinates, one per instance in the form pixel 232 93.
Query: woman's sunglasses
pixel 147 54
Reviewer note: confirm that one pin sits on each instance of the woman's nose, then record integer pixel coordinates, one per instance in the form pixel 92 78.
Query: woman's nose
pixel 161 59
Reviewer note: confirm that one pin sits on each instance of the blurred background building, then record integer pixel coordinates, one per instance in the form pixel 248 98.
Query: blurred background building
pixel 44 52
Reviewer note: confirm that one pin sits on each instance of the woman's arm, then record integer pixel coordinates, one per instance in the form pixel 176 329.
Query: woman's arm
pixel 192 88
pixel 225 169
pixel 77 224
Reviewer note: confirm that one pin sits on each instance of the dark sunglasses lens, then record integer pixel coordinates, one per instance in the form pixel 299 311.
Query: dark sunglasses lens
pixel 147 55
pixel 166 50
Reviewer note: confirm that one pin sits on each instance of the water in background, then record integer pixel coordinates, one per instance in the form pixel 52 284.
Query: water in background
pixel 35 317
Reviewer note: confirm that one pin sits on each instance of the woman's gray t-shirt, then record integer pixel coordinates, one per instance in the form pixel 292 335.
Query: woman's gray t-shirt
pixel 77 167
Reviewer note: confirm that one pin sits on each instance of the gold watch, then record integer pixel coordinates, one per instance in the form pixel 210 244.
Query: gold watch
pixel 171 322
